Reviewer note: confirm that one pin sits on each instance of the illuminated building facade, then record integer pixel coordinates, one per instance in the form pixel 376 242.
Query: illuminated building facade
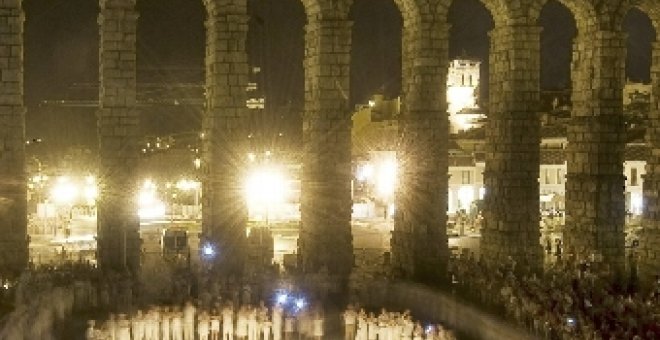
pixel 462 95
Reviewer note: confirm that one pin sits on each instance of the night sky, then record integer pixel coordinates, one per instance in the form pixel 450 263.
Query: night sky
pixel 62 46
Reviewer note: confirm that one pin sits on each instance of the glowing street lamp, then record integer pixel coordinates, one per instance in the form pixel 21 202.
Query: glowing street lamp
pixel 149 206
pixel 386 173
pixel 264 187
pixel 64 192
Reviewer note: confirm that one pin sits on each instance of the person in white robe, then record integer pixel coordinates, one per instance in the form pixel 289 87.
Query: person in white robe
pixel 317 330
pixel 215 325
pixel 176 324
pixel 123 328
pixel 165 324
pixel 278 313
pixel 266 326
pixel 228 323
pixel 137 326
pixel 203 326
pixel 189 321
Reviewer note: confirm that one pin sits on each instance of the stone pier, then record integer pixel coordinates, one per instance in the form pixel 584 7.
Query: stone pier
pixel 118 222
pixel 325 242
pixel 595 200
pixel 511 201
pixel 225 135
pixel 419 239
pixel 13 188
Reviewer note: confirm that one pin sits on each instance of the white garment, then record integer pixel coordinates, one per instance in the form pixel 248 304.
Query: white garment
pixel 266 329
pixel 165 327
pixel 253 327
pixel 277 322
pixel 203 329
pixel 124 331
pixel 137 328
pixel 317 327
pixel 176 328
pixel 189 322
pixel 372 330
pixel 227 324
pixel 241 325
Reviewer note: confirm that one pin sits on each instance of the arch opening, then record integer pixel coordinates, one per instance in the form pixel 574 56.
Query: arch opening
pixel 275 48
pixel 61 75
pixel 558 31
pixel 376 50
pixel 170 72
pixel 469 48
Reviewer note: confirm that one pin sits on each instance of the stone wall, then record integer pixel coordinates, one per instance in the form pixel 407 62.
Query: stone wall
pixel 595 206
pixel 224 134
pixel 325 242
pixel 419 240
pixel 511 201
pixel 118 222
pixel 13 188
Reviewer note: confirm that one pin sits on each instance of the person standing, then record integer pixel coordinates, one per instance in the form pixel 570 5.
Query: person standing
pixel 189 321
pixel 317 326
pixel 165 324
pixel 350 319
pixel 177 327
pixel 228 323
pixel 266 326
pixel 215 325
pixel 288 327
pixel 203 326
pixel 277 322
pixel 123 328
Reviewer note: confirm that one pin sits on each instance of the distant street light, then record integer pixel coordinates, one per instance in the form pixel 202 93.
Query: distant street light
pixel 149 206
pixel 64 191
pixel 265 187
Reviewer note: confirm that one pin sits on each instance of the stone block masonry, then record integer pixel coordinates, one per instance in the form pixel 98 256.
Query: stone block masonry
pixel 118 239
pixel 225 135
pixel 13 188
pixel 325 242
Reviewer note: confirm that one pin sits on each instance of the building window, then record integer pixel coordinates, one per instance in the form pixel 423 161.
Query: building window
pixel 633 177
pixel 560 176
pixel 466 177
pixel 547 175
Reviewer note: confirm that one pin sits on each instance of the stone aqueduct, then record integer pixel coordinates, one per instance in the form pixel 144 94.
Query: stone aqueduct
pixel 595 184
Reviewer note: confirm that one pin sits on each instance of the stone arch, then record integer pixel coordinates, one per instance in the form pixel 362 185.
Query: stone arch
pixel 652 11
pixel 559 63
pixel 596 133
pixel 369 76
pixel 583 12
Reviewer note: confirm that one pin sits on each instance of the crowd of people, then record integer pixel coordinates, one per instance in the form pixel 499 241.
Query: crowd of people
pixel 569 300
pixel 222 321
pixel 360 325
pixel 43 299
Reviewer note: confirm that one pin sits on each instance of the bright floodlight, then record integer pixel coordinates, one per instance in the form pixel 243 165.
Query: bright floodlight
pixel 386 173
pixel 281 298
pixel 90 192
pixel 64 191
pixel 187 184
pixel 265 186
pixel 208 250
pixel 149 206
pixel 300 303
pixel 365 172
